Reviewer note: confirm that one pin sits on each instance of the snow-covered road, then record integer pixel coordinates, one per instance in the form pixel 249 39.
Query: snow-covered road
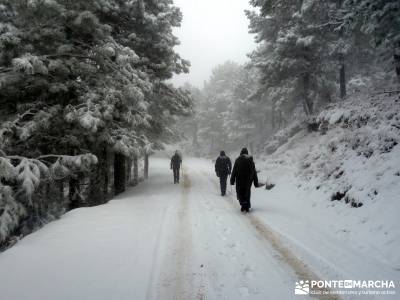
pixel 161 241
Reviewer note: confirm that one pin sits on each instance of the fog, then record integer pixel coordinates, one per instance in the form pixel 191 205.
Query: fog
pixel 212 32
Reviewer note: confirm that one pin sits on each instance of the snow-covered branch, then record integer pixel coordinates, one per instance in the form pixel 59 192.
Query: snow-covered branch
pixel 28 173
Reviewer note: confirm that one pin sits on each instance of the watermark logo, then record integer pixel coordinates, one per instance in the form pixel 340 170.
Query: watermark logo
pixel 302 288
pixel 345 287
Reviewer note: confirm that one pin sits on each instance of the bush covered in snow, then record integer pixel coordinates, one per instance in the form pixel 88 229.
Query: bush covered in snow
pixel 282 137
pixel 350 150
pixel 11 212
pixel 20 178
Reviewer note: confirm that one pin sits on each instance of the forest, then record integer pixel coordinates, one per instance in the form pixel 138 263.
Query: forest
pixel 85 90
pixel 310 54
pixel 80 81
pixel 120 180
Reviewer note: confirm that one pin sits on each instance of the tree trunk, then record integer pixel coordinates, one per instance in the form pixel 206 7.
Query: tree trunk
pixel 397 62
pixel 135 171
pixel 342 62
pixel 195 135
pixel 343 89
pixel 106 173
pixel 212 145
pixel 119 173
pixel 74 193
pixel 307 104
pixel 273 121
pixel 146 166
pixel 128 170
pixel 251 147
pixel 98 178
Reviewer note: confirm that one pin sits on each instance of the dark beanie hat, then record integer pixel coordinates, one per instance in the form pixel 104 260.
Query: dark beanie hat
pixel 244 151
pixel 222 153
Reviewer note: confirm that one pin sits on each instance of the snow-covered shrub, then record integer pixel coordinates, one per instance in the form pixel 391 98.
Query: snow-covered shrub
pixel 11 212
pixel 359 84
pixel 24 176
pixel 282 136
pixel 30 64
pixel 352 155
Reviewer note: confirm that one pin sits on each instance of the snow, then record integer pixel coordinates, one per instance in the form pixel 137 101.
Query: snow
pixel 30 65
pixel 355 152
pixel 339 241
pixel 166 241
pixel 150 243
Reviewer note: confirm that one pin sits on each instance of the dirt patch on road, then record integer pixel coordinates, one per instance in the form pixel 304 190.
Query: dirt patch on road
pixel 187 184
pixel 175 279
pixel 302 271
pixel 182 255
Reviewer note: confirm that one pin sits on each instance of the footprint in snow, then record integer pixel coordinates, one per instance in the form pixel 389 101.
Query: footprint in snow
pixel 248 273
pixel 244 291
pixel 227 230
pixel 232 245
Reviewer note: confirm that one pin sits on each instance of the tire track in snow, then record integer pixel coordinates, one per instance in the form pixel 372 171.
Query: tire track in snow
pixel 302 271
pixel 183 278
pixel 150 287
pixel 173 280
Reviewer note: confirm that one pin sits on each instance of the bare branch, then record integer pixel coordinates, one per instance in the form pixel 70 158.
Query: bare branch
pixel 389 92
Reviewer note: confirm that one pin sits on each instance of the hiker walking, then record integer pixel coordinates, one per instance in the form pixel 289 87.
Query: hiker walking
pixel 244 175
pixel 176 162
pixel 223 168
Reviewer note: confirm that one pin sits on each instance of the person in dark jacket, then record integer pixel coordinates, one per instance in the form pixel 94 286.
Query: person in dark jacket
pixel 176 162
pixel 223 168
pixel 244 175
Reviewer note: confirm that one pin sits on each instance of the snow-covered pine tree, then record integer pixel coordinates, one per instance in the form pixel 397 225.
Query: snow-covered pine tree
pixel 77 77
pixel 293 54
pixel 225 118
pixel 248 119
pixel 380 19
pixel 190 125
pixel 218 91
pixel 98 63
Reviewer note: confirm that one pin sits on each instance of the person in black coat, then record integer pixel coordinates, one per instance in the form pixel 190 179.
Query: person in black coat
pixel 244 175
pixel 176 162
pixel 223 167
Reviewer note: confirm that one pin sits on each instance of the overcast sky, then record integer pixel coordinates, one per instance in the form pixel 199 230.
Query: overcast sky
pixel 212 32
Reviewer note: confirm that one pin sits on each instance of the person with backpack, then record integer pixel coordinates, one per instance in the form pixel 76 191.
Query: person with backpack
pixel 244 174
pixel 223 168
pixel 176 162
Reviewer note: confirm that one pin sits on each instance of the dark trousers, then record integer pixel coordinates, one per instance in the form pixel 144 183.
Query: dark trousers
pixel 176 175
pixel 243 195
pixel 222 183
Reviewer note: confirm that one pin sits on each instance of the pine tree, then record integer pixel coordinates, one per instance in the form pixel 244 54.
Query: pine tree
pixel 93 65
pixel 379 19
pixel 225 116
pixel 293 55
pixel 80 76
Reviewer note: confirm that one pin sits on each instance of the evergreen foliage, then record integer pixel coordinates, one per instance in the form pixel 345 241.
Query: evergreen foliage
pixel 80 76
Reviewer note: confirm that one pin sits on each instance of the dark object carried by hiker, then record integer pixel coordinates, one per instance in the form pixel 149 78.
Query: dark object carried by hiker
pixel 269 186
pixel 244 174
pixel 223 168
pixel 176 162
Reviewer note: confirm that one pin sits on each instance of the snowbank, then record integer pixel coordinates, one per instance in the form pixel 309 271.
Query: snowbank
pixel 342 172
